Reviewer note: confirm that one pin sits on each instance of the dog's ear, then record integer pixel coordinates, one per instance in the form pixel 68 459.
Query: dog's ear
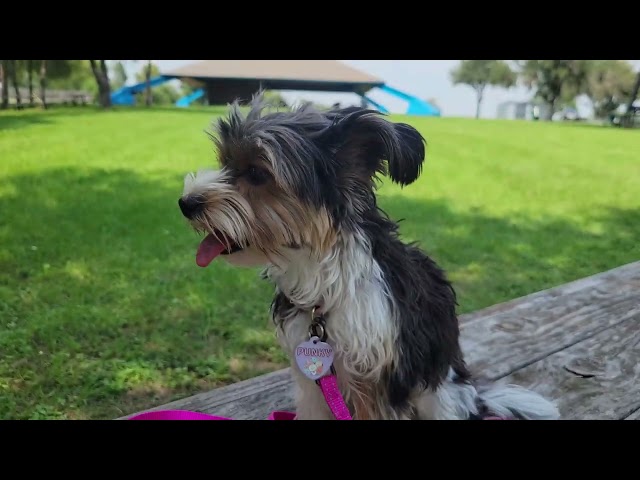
pixel 381 146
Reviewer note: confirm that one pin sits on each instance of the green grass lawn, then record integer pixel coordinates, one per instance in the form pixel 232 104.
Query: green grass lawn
pixel 104 312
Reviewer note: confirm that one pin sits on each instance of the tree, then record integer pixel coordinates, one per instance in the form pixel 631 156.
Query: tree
pixel 62 74
pixel 101 75
pixel 609 84
pixel 30 81
pixel 632 98
pixel 71 75
pixel 4 78
pixel 161 95
pixel 275 99
pixel 478 74
pixel 188 86
pixel 13 73
pixel 147 88
pixel 54 69
pixel 43 83
pixel 16 73
pixel 555 80
pixel 119 79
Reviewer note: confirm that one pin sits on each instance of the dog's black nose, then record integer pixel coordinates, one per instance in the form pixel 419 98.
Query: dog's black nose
pixel 190 206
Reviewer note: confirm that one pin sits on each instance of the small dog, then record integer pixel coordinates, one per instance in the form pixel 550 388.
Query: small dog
pixel 295 193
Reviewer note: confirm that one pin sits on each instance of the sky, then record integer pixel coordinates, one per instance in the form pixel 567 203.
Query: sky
pixel 427 79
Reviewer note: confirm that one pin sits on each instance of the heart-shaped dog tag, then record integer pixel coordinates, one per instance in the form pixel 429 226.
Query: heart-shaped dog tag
pixel 314 358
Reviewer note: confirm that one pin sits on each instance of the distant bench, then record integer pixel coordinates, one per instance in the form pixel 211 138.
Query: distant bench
pixel 578 343
pixel 53 97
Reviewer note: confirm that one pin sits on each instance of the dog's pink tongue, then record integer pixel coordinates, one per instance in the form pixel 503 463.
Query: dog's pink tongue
pixel 209 249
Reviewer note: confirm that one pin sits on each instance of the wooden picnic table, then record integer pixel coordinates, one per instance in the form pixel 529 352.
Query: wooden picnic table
pixel 577 343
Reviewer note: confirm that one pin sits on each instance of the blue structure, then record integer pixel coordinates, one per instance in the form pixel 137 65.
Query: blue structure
pixel 125 95
pixel 416 106
pixel 379 106
pixel 188 99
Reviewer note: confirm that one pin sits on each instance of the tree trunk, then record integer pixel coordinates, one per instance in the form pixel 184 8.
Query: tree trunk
pixel 552 108
pixel 148 86
pixel 628 115
pixel 4 78
pixel 43 83
pixel 479 94
pixel 107 85
pixel 30 73
pixel 102 79
pixel 14 80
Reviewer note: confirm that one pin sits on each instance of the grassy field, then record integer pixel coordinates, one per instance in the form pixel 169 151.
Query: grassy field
pixel 103 310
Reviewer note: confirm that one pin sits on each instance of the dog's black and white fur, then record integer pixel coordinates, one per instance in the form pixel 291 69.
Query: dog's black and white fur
pixel 296 194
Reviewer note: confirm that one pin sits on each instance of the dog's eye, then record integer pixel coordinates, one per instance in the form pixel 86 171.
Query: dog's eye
pixel 256 176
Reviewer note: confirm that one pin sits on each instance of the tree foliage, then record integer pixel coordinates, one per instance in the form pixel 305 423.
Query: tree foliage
pixel 555 81
pixel 165 94
pixel 629 115
pixel 77 76
pixel 609 85
pixel 275 99
pixel 119 75
pixel 478 74
pixel 13 76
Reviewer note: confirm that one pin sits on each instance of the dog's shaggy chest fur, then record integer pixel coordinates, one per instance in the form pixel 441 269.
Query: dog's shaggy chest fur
pixel 392 338
pixel 296 194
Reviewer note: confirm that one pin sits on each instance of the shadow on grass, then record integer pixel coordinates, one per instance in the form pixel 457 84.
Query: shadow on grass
pixel 493 259
pixel 104 308
pixel 104 311
pixel 15 121
pixel 201 109
pixel 33 116
pixel 19 119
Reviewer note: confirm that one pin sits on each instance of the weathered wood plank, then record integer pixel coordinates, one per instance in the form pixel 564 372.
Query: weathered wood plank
pixel 497 340
pixel 501 339
pixel 252 399
pixel 597 379
pixel 621 273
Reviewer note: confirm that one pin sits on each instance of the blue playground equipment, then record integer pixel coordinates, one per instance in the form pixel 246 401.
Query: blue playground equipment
pixel 416 106
pixel 125 95
pixel 188 99
pixel 379 106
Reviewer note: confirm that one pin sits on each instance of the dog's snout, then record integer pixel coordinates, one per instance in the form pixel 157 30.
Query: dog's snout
pixel 190 206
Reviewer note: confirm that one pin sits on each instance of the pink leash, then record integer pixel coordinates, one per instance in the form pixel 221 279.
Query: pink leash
pixel 315 359
pixel 328 384
pixel 176 415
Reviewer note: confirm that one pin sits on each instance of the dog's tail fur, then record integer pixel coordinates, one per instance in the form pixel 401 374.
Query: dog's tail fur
pixel 513 401
pixel 476 399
